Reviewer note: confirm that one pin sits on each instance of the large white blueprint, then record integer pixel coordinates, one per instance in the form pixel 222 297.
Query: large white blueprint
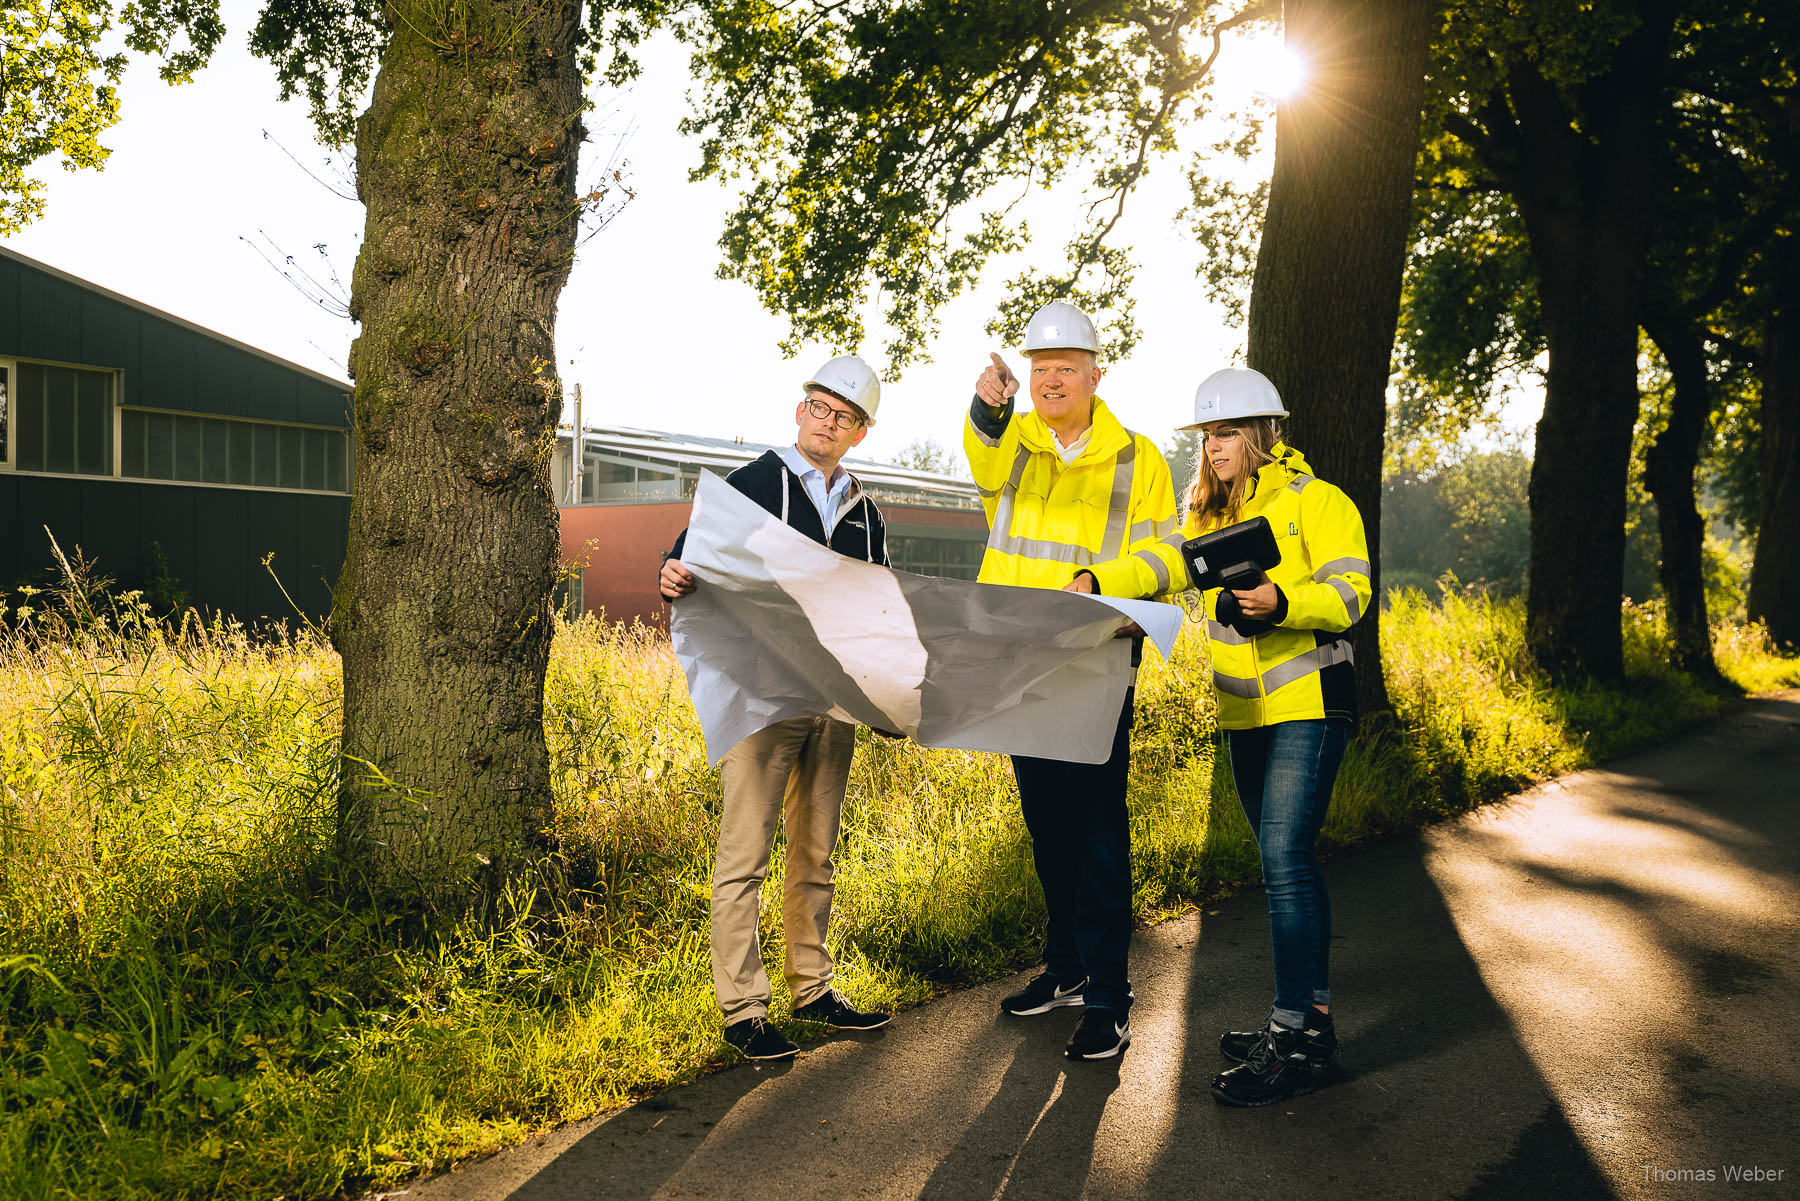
pixel 782 627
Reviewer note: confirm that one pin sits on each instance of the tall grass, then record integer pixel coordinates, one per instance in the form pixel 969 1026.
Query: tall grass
pixel 195 1000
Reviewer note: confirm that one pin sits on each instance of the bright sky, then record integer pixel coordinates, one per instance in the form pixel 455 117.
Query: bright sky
pixel 193 185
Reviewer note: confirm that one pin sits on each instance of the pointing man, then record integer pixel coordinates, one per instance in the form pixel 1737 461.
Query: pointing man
pixel 797 769
pixel 1074 501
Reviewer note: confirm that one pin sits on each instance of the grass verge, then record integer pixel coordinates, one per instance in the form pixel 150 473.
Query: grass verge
pixel 192 1004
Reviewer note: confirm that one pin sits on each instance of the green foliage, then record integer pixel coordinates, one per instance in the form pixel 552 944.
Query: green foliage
pixel 163 593
pixel 60 73
pixel 1221 214
pixel 326 50
pixel 59 81
pixel 1731 459
pixel 1467 522
pixel 1726 565
pixel 1480 720
pixel 928 454
pixel 1469 322
pixel 1469 519
pixel 1727 150
pixel 1643 543
pixel 860 132
pixel 196 999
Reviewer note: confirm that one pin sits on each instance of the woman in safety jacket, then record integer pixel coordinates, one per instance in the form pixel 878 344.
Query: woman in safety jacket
pixel 1286 687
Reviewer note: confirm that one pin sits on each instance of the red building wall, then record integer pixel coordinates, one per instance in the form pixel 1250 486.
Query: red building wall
pixel 621 548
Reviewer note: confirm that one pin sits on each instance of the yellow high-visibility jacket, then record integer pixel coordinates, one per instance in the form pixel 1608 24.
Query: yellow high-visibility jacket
pixel 1110 512
pixel 1303 667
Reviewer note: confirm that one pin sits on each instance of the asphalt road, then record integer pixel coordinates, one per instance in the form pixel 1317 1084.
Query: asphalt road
pixel 1591 990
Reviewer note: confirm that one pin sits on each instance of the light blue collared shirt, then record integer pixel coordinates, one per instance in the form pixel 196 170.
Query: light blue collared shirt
pixel 827 500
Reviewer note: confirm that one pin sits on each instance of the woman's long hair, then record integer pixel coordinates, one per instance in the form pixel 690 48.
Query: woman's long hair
pixel 1210 499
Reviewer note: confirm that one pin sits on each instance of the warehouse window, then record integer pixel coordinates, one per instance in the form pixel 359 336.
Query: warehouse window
pixel 958 558
pixel 57 419
pixel 607 477
pixel 219 450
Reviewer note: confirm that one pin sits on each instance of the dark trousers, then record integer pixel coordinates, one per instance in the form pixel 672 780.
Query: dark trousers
pixel 1081 842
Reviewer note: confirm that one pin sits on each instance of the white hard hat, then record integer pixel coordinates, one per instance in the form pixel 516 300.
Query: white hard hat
pixel 852 379
pixel 1234 393
pixel 1059 325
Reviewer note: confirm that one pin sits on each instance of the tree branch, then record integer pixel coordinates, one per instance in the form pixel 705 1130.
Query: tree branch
pixel 1547 134
pixel 1132 174
pixel 1254 12
pixel 1731 260
pixel 1163 36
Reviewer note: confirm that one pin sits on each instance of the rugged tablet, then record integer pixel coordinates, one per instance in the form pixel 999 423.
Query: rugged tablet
pixel 1234 557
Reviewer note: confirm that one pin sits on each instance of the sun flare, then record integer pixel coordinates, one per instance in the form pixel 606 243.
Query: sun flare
pixel 1267 66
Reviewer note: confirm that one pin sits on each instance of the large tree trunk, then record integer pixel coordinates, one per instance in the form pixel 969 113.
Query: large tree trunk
pixel 1579 180
pixel 1582 459
pixel 1326 295
pixel 1669 475
pixel 1775 575
pixel 466 162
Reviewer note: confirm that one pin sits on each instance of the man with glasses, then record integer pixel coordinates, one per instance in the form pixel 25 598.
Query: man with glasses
pixel 794 770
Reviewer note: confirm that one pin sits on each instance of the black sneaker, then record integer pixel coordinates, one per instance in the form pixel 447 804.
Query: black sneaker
pixel 754 1038
pixel 833 1010
pixel 1042 995
pixel 1276 1069
pixel 1318 1039
pixel 1103 1033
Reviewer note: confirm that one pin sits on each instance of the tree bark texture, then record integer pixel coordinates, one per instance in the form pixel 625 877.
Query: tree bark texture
pixel 1580 182
pixel 1775 574
pixel 1326 295
pixel 466 161
pixel 1669 476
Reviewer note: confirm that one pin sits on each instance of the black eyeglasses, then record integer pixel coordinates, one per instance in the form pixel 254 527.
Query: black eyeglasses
pixel 843 418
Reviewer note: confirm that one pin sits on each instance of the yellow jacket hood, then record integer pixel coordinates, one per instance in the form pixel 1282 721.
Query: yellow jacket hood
pixel 1302 668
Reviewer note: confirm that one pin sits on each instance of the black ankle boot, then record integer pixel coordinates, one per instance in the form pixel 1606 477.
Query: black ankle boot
pixel 1319 1039
pixel 1277 1068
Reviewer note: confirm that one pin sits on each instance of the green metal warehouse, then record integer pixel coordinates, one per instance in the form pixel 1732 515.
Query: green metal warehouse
pixel 123 428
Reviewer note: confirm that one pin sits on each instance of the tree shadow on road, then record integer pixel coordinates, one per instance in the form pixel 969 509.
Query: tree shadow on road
pixel 1548 1000
pixel 1035 1137
pixel 1672 877
pixel 631 1155
pixel 1435 1097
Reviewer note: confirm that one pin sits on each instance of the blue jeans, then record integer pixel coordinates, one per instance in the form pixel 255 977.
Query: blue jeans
pixel 1284 774
pixel 1081 846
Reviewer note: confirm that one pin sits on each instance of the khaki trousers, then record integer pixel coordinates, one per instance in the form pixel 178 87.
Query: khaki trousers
pixel 795 770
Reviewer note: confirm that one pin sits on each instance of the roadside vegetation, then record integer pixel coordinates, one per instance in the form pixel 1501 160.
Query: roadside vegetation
pixel 197 999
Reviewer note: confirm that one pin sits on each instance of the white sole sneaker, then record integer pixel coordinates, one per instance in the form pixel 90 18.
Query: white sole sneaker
pixel 1118 1048
pixel 1058 1000
pixel 1047 1006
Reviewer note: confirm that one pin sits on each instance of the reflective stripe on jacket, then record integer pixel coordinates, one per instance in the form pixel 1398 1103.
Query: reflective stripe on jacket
pixel 1111 511
pixel 1303 667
